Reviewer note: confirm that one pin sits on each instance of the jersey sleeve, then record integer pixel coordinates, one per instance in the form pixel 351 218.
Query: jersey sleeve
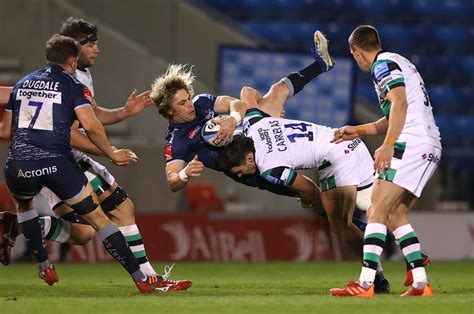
pixel 11 100
pixel 174 152
pixel 82 95
pixel 204 102
pixel 283 176
pixel 387 75
pixel 252 116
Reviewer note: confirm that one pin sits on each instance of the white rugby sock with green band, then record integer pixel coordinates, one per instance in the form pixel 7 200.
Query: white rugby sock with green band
pixel 135 242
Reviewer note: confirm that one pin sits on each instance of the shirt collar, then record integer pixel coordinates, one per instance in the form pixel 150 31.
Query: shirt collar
pixel 376 56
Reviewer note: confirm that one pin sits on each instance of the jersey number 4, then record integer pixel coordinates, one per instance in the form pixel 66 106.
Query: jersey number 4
pixel 304 132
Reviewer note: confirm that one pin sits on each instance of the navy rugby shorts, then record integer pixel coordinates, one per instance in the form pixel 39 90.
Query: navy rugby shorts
pixel 62 175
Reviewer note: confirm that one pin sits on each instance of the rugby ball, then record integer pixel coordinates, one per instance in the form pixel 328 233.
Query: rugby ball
pixel 210 129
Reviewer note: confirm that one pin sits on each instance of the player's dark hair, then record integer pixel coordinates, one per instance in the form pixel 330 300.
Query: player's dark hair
pixel 365 37
pixel 77 28
pixel 60 48
pixel 234 154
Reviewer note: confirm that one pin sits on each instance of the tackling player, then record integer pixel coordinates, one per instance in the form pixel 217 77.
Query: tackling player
pixel 185 153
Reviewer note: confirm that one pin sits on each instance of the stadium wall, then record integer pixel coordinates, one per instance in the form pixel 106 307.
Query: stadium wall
pixel 300 238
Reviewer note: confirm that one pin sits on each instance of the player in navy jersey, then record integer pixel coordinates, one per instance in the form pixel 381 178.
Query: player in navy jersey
pixel 40 112
pixel 185 153
pixel 116 203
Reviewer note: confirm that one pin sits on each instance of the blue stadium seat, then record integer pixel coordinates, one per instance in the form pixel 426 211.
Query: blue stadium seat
pixel 450 12
pixel 468 66
pixel 453 38
pixel 445 100
pixel 374 11
pixel 397 38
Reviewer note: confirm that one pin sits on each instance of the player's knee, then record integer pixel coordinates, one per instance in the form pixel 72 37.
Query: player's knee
pixel 279 90
pixel 117 197
pixel 126 209
pixel 246 91
pixel 85 206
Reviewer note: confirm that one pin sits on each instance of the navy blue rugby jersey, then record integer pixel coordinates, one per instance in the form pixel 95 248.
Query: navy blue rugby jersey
pixel 43 104
pixel 183 140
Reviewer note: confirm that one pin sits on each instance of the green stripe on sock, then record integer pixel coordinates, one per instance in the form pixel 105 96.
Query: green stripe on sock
pixel 407 236
pixel 414 256
pixel 139 254
pixel 380 236
pixel 134 237
pixel 371 257
pixel 57 231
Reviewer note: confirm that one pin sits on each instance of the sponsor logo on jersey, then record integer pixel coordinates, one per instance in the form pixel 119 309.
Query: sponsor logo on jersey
pixel 37 172
pixel 381 70
pixel 209 113
pixel 87 94
pixel 38 94
pixel 192 133
pixel 431 158
pixel 168 153
pixel 352 145
pixel 265 137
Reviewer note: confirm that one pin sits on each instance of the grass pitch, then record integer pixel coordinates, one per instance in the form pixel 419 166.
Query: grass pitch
pixel 231 288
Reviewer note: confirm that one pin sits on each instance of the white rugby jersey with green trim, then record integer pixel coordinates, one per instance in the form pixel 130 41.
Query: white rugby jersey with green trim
pixel 391 70
pixel 286 143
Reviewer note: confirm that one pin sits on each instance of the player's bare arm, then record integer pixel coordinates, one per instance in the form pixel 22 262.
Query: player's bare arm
pixel 178 174
pixel 398 111
pixel 236 109
pixel 5 94
pixel 96 133
pixel 349 132
pixel 135 104
pixel 7 125
pixel 80 141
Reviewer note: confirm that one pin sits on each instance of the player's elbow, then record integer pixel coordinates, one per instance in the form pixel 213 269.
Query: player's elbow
pixel 174 188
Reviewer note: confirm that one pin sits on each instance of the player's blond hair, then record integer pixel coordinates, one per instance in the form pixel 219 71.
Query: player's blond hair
pixel 164 88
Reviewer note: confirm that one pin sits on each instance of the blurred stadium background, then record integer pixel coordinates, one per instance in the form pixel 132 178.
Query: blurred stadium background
pixel 256 42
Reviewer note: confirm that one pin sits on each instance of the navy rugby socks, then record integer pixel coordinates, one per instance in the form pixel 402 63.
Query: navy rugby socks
pixel 32 231
pixel 115 243
pixel 297 80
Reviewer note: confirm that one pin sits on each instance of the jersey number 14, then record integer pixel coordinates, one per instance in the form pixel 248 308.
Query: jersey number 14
pixel 303 128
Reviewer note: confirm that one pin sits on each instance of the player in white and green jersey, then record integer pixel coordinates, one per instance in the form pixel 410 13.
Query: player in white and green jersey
pixel 276 148
pixel 405 162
